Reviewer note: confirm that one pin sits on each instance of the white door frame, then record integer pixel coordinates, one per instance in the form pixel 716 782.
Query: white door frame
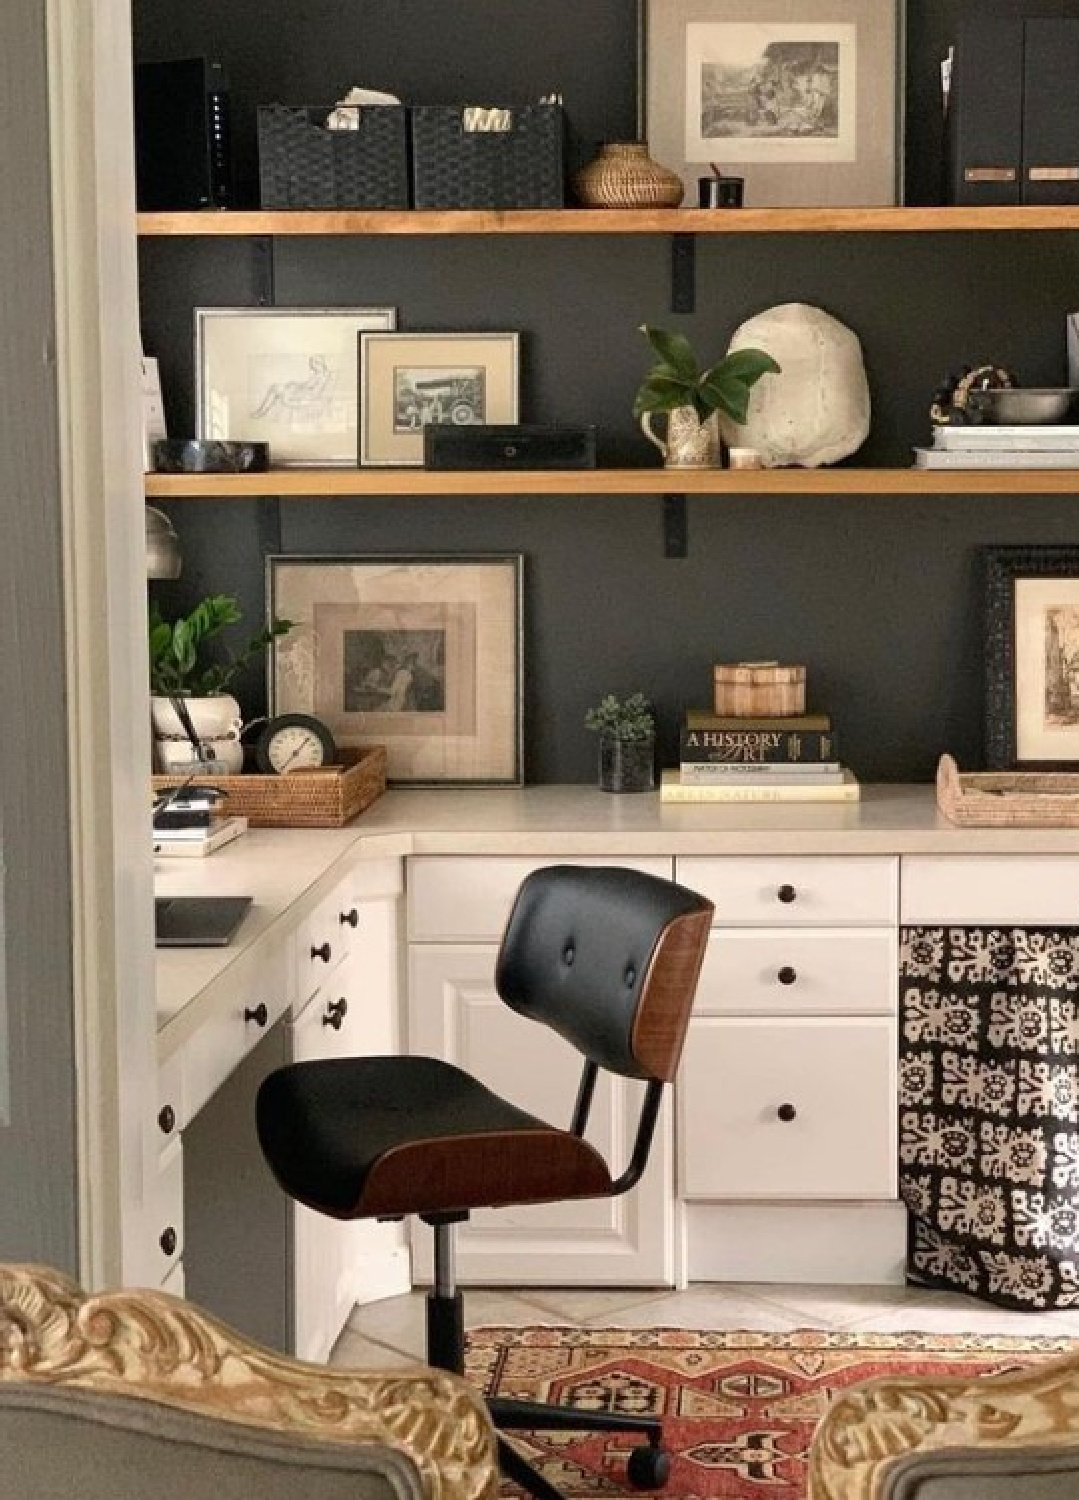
pixel 94 234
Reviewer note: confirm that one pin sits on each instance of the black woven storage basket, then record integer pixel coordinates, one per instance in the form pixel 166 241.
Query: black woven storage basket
pixel 517 168
pixel 304 165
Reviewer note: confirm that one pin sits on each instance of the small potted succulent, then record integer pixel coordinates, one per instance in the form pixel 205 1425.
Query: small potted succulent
pixel 692 395
pixel 188 693
pixel 627 743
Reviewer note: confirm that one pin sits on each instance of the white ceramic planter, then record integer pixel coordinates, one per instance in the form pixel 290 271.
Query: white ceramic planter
pixel 216 721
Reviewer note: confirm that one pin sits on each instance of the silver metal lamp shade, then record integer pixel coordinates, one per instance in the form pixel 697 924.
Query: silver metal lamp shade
pixel 163 557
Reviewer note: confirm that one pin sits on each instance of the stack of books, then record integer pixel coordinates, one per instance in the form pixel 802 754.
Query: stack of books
pixel 1053 446
pixel 192 825
pixel 729 759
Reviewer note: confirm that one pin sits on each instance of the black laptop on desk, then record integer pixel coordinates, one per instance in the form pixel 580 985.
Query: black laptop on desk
pixel 197 921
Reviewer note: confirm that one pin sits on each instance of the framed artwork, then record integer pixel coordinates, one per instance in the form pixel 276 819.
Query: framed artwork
pixel 420 654
pixel 410 379
pixel 799 97
pixel 1032 657
pixel 283 376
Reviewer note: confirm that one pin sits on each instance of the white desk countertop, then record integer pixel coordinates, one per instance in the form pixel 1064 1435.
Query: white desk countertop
pixel 285 870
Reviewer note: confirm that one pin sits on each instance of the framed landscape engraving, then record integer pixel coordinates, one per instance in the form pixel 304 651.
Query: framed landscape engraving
pixel 283 376
pixel 410 379
pixel 420 654
pixel 799 97
pixel 1032 658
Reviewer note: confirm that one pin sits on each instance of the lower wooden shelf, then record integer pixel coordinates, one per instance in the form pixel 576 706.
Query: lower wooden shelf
pixel 330 483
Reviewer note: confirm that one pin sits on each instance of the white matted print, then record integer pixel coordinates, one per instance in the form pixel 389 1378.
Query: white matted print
pixel 798 96
pixel 283 376
pixel 1046 620
pixel 420 654
pixel 409 380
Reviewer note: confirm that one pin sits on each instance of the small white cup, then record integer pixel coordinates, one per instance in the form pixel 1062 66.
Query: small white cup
pixel 744 458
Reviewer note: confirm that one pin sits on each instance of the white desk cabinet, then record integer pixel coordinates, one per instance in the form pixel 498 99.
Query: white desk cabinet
pixel 457 910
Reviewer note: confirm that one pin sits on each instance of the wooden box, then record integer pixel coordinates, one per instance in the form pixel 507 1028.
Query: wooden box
pixel 759 689
pixel 327 798
pixel 1007 799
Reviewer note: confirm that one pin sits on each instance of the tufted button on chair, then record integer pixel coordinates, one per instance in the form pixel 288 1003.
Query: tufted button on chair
pixel 608 958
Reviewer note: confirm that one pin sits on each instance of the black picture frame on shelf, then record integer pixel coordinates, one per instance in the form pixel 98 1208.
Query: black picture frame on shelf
pixel 1031 635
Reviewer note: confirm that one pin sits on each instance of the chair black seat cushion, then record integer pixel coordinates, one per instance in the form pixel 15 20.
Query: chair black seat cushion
pixel 358 1137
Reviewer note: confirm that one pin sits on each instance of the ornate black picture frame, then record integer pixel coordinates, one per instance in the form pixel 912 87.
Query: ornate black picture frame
pixel 1031 632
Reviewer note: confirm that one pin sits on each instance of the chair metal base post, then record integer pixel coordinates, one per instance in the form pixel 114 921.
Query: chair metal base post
pixel 534 1416
pixel 445 1306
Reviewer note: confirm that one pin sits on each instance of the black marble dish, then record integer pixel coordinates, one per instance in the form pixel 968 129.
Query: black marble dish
pixel 209 456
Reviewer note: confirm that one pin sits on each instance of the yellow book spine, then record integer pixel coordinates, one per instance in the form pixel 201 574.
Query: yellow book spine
pixel 673 789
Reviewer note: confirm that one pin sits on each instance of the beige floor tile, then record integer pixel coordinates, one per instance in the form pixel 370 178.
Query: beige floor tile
pixel 839 1307
pixel 707 1308
pixel 400 1322
pixel 357 1353
pixel 573 1305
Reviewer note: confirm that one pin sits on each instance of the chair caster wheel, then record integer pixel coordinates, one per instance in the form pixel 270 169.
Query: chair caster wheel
pixel 648 1468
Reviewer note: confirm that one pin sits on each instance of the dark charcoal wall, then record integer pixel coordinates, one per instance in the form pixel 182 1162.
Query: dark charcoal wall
pixel 879 596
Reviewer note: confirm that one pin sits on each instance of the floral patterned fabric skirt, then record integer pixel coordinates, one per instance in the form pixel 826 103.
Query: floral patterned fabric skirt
pixel 989 1111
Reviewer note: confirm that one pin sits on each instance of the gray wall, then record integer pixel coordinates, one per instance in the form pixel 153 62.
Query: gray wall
pixel 879 596
pixel 37 1131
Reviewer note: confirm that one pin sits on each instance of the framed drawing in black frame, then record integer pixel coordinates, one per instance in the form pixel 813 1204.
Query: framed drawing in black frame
pixel 1031 622
pixel 421 654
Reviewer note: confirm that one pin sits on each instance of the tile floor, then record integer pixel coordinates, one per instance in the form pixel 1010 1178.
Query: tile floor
pixel 391 1332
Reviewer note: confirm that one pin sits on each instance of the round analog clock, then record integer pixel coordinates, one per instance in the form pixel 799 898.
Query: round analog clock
pixel 294 742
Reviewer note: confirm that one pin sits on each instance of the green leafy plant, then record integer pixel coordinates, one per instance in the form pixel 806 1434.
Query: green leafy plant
pixel 175 649
pixel 678 379
pixel 628 719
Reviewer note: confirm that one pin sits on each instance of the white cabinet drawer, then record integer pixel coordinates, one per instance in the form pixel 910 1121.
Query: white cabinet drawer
pixel 261 995
pixel 324 939
pixel 165 1211
pixel 788 1109
pixel 171 1116
pixel 1014 890
pixel 799 971
pixel 813 890
pixel 468 899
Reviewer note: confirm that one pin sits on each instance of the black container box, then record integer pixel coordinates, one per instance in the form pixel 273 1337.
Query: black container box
pixel 522 167
pixel 302 164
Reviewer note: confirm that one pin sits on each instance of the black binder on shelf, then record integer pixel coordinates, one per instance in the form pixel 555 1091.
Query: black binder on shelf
pixel 1051 111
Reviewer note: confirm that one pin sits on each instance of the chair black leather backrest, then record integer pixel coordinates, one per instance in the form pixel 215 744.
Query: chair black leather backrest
pixel 608 958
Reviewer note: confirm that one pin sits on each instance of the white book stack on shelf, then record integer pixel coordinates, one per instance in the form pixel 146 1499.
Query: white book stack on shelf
pixel 1053 446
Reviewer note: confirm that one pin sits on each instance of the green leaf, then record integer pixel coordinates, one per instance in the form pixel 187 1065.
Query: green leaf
pixel 662 395
pixel 675 350
pixel 723 393
pixel 746 365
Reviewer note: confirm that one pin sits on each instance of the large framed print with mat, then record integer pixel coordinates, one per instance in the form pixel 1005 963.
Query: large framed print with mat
pixel 1031 658
pixel 420 654
pixel 799 97
pixel 285 376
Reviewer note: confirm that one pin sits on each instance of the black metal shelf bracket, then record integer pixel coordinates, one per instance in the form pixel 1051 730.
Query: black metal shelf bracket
pixel 264 270
pixel 683 273
pixel 675 526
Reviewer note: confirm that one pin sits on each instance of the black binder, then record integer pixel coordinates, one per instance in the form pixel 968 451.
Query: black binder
pixel 1051 111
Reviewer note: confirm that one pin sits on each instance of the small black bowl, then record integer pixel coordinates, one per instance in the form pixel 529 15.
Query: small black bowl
pixel 209 456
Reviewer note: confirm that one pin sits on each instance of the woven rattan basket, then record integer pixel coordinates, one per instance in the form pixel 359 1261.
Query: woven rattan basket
pixel 1007 799
pixel 326 798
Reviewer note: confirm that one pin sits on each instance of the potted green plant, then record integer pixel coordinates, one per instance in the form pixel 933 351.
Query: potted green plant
pixel 691 396
pixel 627 742
pixel 188 692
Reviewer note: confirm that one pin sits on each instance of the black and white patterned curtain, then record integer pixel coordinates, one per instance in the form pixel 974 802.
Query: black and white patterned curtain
pixel 989 1111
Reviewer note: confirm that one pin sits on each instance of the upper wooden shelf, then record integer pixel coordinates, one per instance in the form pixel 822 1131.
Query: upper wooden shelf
pixel 607 221
pixel 322 483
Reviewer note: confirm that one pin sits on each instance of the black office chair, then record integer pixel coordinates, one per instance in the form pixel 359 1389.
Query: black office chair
pixel 608 958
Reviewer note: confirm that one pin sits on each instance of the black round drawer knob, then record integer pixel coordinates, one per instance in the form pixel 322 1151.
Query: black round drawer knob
pixel 168 1240
pixel 786 1113
pixel 166 1119
pixel 350 918
pixel 257 1013
pixel 336 1012
pixel 787 975
pixel 787 894
pixel 323 951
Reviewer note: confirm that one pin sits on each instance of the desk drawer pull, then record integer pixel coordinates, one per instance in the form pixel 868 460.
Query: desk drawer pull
pixel 786 1113
pixel 168 1240
pixel 350 918
pixel 787 975
pixel 166 1119
pixel 258 1013
pixel 336 1012
pixel 786 894
pixel 323 952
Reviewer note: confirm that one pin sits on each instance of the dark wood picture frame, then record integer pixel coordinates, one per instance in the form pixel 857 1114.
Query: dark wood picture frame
pixel 1013 694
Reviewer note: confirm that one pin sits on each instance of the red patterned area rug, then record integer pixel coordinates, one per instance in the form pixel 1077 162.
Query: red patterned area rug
pixel 738 1409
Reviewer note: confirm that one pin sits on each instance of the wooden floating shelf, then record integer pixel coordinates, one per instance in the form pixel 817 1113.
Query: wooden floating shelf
pixel 331 482
pixel 605 221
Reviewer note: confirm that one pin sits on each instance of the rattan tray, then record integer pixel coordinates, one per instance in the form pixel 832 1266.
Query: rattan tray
pixel 1007 799
pixel 326 798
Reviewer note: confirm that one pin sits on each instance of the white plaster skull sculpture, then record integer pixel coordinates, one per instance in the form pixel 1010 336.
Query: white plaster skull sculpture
pixel 817 409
